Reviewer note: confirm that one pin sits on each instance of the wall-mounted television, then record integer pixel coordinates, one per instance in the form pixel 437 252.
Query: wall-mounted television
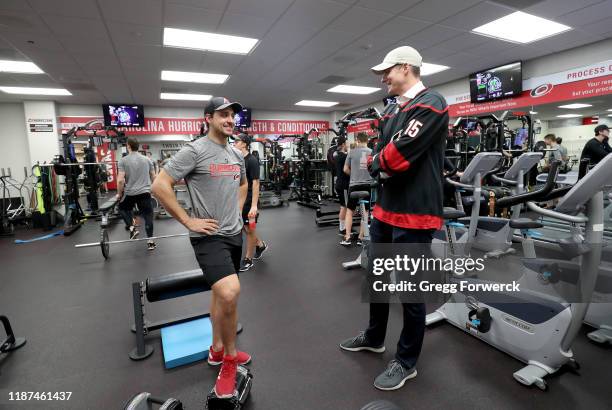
pixel 127 115
pixel 497 82
pixel 389 100
pixel 242 119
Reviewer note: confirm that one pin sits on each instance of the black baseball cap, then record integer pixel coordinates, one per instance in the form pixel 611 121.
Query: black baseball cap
pixel 221 103
pixel 600 128
pixel 244 138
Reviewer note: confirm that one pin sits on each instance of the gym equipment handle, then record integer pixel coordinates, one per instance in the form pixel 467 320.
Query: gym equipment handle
pixel 512 200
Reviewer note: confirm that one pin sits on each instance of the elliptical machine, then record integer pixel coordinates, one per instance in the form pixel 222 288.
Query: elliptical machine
pixel 533 327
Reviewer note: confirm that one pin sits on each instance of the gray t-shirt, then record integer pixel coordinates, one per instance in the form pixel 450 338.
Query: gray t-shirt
pixel 562 150
pixel 357 160
pixel 212 173
pixel 137 170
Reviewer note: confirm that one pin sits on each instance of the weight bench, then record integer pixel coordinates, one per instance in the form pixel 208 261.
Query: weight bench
pixel 160 288
pixel 107 210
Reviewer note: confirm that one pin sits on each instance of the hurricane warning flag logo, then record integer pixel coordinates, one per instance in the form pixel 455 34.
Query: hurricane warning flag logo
pixel 541 90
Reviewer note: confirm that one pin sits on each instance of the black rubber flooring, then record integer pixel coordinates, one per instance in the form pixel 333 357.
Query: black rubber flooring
pixel 296 305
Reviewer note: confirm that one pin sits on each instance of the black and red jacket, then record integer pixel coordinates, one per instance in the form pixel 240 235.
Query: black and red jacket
pixel 409 161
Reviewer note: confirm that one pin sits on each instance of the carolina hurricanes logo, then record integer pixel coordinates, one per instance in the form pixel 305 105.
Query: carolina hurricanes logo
pixel 541 90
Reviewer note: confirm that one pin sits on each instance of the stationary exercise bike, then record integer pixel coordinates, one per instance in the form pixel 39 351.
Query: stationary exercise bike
pixel 480 165
pixel 535 328
pixel 493 234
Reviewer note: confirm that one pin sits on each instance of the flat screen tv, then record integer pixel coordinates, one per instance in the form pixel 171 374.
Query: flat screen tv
pixel 495 83
pixel 389 100
pixel 242 119
pixel 128 115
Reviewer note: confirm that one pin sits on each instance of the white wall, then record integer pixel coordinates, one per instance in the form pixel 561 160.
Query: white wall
pixel 574 136
pixel 14 151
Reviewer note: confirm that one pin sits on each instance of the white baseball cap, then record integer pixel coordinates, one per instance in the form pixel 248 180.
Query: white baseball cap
pixel 400 55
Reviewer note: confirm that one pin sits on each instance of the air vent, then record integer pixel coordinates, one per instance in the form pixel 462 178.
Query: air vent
pixel 343 59
pixel 335 79
pixel 176 90
pixel 518 4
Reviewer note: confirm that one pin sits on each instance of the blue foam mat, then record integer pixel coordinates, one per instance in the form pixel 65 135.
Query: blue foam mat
pixel 186 342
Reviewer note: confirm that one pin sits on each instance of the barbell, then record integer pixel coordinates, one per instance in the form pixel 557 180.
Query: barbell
pixel 105 243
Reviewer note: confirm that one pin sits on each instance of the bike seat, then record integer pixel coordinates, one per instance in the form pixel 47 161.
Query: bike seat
pixel 524 223
pixel 360 194
pixel 452 213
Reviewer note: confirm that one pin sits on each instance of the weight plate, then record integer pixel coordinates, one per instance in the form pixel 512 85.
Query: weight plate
pixel 104 245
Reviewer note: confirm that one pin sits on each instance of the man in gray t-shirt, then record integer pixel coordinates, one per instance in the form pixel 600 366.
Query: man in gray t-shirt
pixel 134 179
pixel 554 155
pixel 214 173
pixel 356 165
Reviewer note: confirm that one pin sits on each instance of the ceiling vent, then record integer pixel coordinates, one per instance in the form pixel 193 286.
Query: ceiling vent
pixel 335 79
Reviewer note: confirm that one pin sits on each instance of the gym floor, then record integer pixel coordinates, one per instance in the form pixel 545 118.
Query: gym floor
pixel 296 305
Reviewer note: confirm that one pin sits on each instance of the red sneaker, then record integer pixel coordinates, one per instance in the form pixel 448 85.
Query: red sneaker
pixel 216 358
pixel 226 381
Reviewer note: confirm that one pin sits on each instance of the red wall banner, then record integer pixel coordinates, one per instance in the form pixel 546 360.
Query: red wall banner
pixel 363 126
pixel 192 126
pixel 104 154
pixel 541 94
pixel 152 125
pixel 279 127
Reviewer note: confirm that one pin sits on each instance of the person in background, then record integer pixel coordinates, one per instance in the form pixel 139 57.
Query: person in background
pixel 554 154
pixel 342 182
pixel 134 180
pixel 255 247
pixel 562 149
pixel 597 147
pixel 356 165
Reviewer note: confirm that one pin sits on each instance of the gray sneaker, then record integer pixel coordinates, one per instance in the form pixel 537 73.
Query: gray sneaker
pixel 359 343
pixel 394 376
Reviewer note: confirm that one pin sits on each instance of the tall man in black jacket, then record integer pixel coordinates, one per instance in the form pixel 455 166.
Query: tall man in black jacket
pixel 408 162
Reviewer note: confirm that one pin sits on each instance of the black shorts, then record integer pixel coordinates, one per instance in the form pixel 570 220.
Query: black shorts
pixel 143 201
pixel 245 213
pixel 353 203
pixel 342 192
pixel 218 256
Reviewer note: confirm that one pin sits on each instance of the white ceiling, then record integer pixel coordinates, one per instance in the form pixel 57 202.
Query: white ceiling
pixel 110 50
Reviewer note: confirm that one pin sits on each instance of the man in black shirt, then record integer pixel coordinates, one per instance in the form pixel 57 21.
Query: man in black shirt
pixel 255 246
pixel 597 148
pixel 342 181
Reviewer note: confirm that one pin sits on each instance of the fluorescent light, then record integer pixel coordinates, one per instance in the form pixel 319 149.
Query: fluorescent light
pixel 352 89
pixel 521 28
pixel 199 40
pixel 311 103
pixel 187 97
pixel 187 77
pixel 429 69
pixel 35 91
pixel 25 67
pixel 575 106
pixel 609 109
pixel 569 115
pixel 533 112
